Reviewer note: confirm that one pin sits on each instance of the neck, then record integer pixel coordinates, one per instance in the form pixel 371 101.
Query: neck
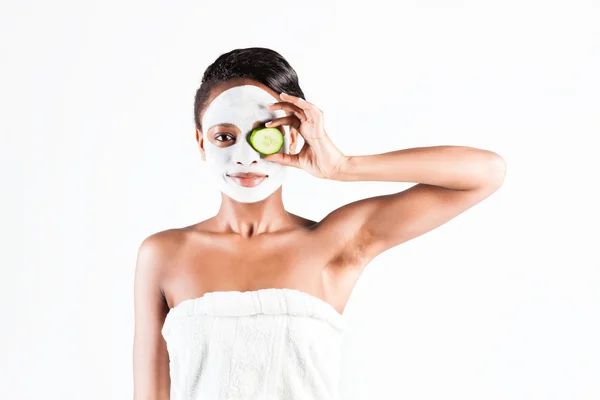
pixel 252 219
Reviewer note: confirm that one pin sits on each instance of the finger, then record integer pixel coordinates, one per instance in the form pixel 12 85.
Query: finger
pixel 291 120
pixel 297 111
pixel 291 160
pixel 284 105
pixel 299 102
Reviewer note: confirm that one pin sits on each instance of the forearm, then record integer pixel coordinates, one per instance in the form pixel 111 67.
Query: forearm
pixel 453 167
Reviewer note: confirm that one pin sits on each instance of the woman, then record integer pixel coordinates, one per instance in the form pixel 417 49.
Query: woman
pixel 235 307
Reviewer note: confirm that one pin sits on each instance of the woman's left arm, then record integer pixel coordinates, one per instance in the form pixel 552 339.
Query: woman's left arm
pixel 450 180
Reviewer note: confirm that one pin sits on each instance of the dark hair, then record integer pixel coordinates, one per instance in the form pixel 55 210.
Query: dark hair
pixel 257 63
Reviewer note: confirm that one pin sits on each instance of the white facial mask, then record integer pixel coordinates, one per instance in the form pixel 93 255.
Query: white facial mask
pixel 242 106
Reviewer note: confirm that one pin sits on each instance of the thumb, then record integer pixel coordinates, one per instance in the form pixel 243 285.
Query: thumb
pixel 290 160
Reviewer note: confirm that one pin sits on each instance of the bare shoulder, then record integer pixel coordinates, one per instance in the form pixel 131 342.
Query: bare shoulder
pixel 347 252
pixel 159 250
pixel 336 234
pixel 348 245
pixel 302 222
pixel 160 245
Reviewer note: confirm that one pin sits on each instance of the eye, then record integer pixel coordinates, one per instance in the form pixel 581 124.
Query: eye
pixel 222 134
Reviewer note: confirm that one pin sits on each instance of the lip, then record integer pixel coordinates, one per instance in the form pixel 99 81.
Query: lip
pixel 247 175
pixel 248 179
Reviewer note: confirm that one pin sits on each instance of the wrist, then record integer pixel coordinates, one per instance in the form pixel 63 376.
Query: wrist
pixel 342 170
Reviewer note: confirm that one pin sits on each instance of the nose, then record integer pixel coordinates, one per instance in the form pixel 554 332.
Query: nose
pixel 245 154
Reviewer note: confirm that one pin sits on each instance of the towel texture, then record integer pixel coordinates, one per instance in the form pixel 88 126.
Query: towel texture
pixel 266 344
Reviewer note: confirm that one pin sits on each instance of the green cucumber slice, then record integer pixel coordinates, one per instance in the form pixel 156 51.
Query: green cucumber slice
pixel 266 140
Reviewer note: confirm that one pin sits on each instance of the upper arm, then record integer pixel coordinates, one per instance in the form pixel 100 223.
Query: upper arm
pixel 150 356
pixel 397 218
pixel 368 227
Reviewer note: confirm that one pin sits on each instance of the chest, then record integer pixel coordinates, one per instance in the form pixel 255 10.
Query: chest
pixel 218 263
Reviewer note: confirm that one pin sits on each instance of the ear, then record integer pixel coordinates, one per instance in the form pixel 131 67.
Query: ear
pixel 200 140
pixel 293 140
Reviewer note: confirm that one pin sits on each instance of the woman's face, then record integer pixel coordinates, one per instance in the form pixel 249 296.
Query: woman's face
pixel 227 122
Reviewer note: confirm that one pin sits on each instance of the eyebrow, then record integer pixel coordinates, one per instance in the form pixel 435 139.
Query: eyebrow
pixel 226 124
pixel 255 125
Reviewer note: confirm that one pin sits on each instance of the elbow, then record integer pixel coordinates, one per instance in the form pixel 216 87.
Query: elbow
pixel 495 171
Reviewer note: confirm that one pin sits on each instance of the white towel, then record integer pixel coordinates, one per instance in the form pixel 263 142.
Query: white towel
pixel 266 344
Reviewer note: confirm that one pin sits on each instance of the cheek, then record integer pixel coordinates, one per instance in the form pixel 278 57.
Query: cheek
pixel 217 157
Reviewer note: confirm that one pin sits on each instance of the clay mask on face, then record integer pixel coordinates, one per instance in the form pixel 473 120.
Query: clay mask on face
pixel 242 106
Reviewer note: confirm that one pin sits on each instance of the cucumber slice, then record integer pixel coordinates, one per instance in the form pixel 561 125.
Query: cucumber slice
pixel 266 140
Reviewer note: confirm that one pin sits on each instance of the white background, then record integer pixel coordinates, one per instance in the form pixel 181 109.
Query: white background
pixel 98 151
